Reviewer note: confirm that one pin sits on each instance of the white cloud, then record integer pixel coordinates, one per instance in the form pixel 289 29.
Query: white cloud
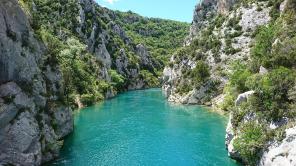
pixel 111 1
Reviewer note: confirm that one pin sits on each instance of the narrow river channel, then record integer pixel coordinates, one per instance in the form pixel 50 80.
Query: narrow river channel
pixel 142 128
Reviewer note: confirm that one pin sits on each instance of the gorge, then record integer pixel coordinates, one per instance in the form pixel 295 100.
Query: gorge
pixel 142 128
pixel 237 57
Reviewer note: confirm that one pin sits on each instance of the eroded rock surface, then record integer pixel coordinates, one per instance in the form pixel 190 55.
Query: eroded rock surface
pixel 282 153
pixel 26 138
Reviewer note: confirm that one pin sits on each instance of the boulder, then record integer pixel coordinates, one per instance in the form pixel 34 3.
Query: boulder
pixel 103 55
pixel 7 114
pixel 263 70
pixel 167 75
pixel 243 97
pixel 121 62
pixel 279 123
pixel 252 18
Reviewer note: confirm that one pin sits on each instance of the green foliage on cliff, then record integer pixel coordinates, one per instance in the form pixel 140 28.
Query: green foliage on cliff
pixel 77 66
pixel 261 52
pixel 162 37
pixel 55 23
pixel 272 99
pixel 72 34
pixel 237 84
pixel 149 78
pixel 117 79
pixel 250 142
pixel 274 48
pixel 239 76
pixel 200 73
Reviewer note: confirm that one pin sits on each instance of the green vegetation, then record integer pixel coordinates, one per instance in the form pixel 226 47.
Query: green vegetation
pixel 261 52
pixel 162 37
pixel 250 142
pixel 71 45
pixel 66 50
pixel 274 48
pixel 78 68
pixel 200 73
pixel 117 80
pixel 239 76
pixel 196 78
pixel 273 101
pixel 149 78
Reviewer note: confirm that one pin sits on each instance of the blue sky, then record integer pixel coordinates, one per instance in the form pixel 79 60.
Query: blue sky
pixel 180 10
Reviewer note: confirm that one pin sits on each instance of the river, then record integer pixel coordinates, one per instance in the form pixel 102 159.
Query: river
pixel 142 128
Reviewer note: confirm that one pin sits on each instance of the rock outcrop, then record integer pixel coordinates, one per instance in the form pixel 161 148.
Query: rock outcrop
pixel 32 122
pixel 229 138
pixel 223 32
pixel 243 97
pixel 102 37
pixel 282 153
pixel 247 18
pixel 203 13
pixel 37 92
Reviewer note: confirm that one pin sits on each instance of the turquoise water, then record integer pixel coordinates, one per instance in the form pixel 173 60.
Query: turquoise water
pixel 142 128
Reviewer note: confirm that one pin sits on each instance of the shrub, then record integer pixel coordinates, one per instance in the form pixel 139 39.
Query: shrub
pixel 231 94
pixel 219 21
pixel 184 87
pixel 239 76
pixel 232 22
pixel 117 79
pixel 88 99
pixel 275 10
pixel 149 78
pixel 251 142
pixel 272 99
pixel 261 52
pixel 284 54
pixel 201 72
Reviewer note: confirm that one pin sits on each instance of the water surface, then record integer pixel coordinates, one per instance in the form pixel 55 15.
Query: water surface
pixel 142 128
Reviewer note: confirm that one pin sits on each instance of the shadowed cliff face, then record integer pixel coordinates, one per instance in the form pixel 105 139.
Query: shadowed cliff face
pixel 20 51
pixel 31 119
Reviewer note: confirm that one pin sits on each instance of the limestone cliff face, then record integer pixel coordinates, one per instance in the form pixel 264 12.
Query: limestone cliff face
pixel 101 38
pixel 281 153
pixel 32 120
pixel 204 12
pixel 222 33
pixel 231 44
pixel 35 113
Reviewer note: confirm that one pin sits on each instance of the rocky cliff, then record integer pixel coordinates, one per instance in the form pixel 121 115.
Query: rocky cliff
pixel 33 122
pixel 234 60
pixel 217 37
pixel 55 56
